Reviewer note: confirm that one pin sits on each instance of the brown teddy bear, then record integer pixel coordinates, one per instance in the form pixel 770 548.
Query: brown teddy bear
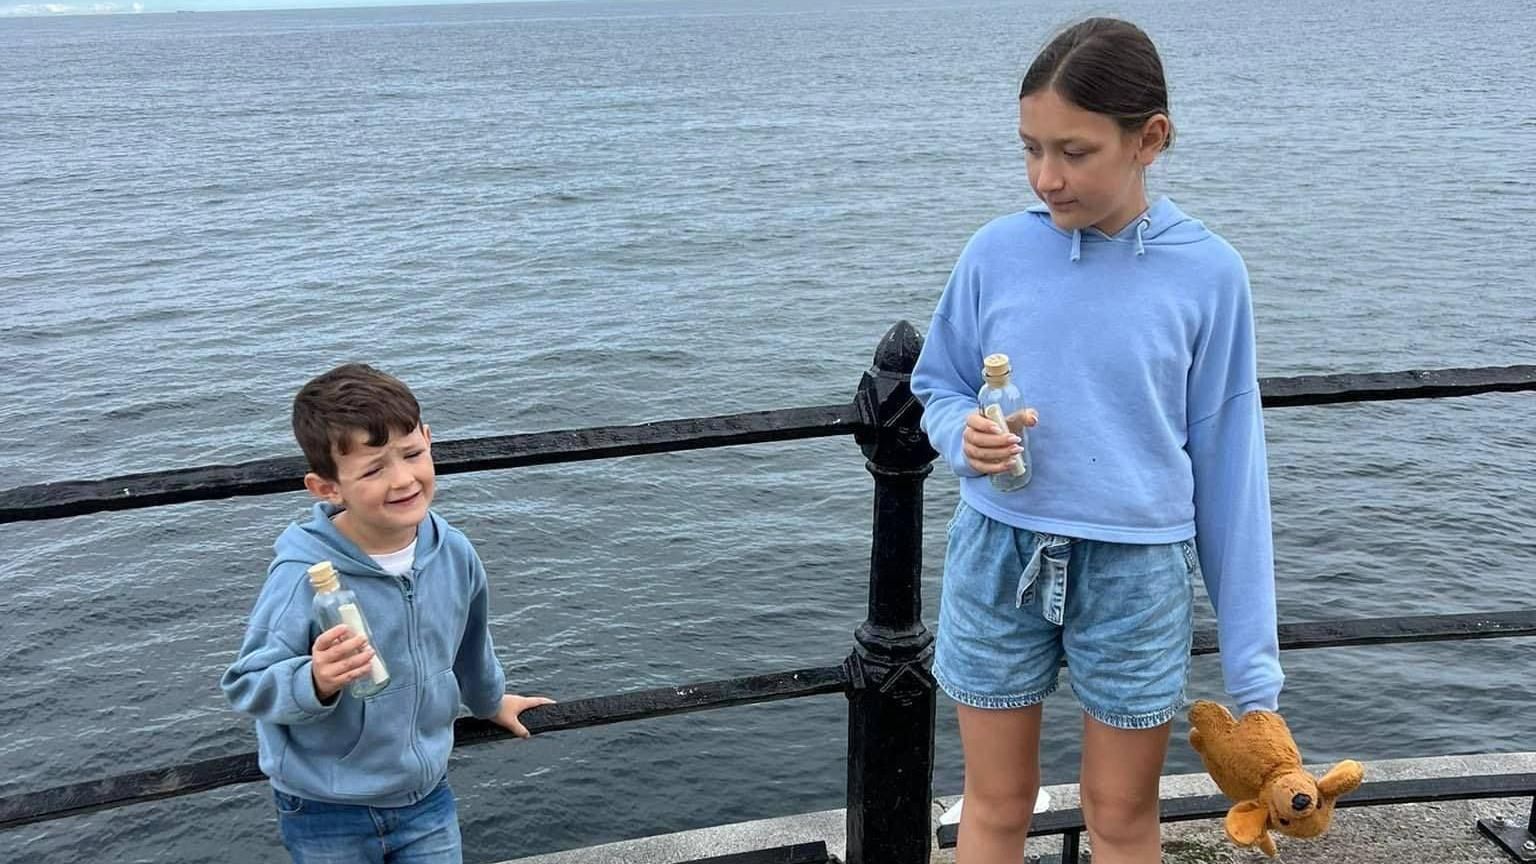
pixel 1255 763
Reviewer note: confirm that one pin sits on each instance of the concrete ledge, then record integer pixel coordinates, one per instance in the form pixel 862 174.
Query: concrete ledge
pixel 827 826
pixel 1389 835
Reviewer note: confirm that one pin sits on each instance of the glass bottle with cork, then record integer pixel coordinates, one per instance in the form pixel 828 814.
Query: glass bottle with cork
pixel 336 604
pixel 1003 404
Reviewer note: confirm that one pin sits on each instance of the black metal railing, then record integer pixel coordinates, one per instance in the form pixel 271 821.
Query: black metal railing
pixel 886 678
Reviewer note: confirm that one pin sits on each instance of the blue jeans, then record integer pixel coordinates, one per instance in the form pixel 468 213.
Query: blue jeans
pixel 1016 603
pixel 316 832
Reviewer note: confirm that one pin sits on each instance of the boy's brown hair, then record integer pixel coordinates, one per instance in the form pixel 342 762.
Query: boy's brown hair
pixel 352 398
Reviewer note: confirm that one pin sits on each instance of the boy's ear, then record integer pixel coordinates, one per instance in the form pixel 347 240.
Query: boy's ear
pixel 426 432
pixel 325 490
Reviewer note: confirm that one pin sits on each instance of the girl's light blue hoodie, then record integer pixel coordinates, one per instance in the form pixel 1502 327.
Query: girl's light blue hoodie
pixel 1138 352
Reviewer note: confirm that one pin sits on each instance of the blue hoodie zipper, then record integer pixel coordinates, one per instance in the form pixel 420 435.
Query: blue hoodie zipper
pixel 411 630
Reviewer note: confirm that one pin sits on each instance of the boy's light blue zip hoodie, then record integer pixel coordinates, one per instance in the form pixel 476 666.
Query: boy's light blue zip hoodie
pixel 429 628
pixel 1138 351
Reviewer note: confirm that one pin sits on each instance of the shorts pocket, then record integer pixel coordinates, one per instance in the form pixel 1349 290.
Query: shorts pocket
pixel 961 509
pixel 1191 556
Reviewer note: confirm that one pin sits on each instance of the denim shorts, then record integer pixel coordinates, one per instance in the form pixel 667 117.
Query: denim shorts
pixel 1015 603
pixel 318 832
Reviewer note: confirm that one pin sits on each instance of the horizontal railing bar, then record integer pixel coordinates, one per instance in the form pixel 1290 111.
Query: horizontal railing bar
pixel 1350 632
pixel 663 702
pixel 152 785
pixel 1370 794
pixel 198 777
pixel 1409 384
pixel 286 474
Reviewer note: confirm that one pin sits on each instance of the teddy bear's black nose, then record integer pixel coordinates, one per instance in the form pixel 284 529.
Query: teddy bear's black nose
pixel 1300 802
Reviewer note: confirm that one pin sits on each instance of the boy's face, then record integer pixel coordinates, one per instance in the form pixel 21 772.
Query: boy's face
pixel 386 490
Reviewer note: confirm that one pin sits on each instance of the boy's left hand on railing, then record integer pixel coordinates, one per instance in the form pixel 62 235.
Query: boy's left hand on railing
pixel 513 705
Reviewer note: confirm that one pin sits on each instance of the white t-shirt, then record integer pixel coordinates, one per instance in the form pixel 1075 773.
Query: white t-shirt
pixel 397 563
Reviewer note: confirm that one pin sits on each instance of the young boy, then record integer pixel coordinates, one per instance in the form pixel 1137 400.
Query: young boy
pixel 365 779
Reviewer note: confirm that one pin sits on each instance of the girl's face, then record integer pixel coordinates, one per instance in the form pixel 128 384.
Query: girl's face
pixel 1083 165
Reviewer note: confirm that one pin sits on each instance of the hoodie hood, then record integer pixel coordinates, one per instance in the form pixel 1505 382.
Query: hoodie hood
pixel 318 539
pixel 1161 224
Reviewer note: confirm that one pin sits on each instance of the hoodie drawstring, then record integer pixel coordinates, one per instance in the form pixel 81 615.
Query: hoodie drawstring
pixel 1143 222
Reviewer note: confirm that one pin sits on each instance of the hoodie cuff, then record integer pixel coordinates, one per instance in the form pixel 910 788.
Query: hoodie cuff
pixel 304 694
pixel 489 702
pixel 952 448
pixel 1270 703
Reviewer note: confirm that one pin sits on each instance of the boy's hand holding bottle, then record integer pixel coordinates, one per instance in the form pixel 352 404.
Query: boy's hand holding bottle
pixel 338 658
pixel 335 661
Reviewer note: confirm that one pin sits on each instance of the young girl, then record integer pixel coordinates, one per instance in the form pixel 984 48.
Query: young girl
pixel 1129 326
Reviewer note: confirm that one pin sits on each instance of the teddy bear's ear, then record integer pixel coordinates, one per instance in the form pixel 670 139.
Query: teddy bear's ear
pixel 1248 823
pixel 1342 779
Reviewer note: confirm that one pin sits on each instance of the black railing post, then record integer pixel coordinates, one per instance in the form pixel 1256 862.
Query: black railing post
pixel 1069 847
pixel 1519 842
pixel 891 691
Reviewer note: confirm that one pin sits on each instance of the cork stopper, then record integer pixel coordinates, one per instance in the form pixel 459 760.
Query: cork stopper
pixel 323 577
pixel 996 368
